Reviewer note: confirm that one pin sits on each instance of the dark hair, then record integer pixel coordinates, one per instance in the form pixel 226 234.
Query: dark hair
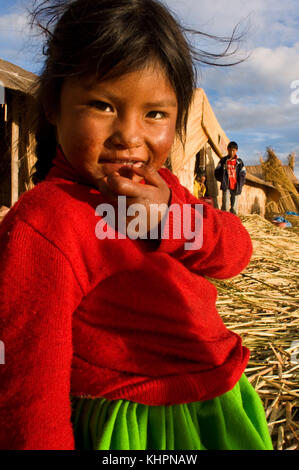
pixel 232 145
pixel 110 38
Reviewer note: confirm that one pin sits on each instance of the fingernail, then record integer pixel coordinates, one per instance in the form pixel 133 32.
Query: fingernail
pixel 138 164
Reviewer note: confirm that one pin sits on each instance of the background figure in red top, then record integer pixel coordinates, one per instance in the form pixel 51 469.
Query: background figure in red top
pixel 231 173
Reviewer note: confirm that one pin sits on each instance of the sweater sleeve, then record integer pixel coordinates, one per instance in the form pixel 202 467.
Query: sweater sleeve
pixel 221 247
pixel 38 294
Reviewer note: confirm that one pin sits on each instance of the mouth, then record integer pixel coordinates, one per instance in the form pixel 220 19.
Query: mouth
pixel 124 166
pixel 121 161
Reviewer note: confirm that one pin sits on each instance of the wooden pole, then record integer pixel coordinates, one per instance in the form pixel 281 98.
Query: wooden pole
pixel 15 133
pixel 31 158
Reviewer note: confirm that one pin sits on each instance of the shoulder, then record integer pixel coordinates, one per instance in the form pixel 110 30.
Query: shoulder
pixel 65 215
pixel 180 194
pixel 170 178
pixel 172 181
pixel 46 201
pixel 57 211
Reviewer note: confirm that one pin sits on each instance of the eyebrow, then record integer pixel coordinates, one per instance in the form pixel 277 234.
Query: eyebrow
pixel 162 104
pixel 152 104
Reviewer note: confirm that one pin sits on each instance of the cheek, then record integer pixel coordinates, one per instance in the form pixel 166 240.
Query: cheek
pixel 82 134
pixel 163 143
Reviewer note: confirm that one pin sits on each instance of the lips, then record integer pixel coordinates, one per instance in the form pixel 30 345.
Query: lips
pixel 121 161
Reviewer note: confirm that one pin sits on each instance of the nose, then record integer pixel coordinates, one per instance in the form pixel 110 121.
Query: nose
pixel 126 133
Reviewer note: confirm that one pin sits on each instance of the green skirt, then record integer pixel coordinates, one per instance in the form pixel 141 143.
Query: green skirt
pixel 233 421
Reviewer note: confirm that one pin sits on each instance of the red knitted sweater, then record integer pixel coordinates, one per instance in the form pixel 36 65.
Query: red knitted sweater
pixel 115 318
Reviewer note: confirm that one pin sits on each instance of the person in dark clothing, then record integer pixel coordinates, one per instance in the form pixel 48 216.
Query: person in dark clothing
pixel 231 172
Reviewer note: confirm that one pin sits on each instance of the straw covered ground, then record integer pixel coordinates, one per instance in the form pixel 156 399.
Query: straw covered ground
pixel 261 305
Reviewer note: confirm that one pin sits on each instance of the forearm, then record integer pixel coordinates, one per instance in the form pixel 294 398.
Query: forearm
pixel 220 248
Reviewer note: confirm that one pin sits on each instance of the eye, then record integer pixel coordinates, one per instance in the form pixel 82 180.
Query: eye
pixel 157 114
pixel 102 106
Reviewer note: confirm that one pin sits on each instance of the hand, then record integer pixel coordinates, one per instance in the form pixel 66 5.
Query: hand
pixel 126 182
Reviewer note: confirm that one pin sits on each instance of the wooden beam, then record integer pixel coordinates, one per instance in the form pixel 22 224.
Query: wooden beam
pixel 15 134
pixel 31 158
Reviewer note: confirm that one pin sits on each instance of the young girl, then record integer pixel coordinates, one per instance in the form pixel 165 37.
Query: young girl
pixel 116 343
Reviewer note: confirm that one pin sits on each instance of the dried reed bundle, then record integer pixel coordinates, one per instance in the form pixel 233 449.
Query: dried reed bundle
pixel 261 305
pixel 274 174
pixel 291 160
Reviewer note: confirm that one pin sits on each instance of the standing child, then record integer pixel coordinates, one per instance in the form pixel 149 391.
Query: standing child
pixel 231 172
pixel 199 186
pixel 117 343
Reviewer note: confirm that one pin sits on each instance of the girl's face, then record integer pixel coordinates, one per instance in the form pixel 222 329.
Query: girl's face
pixel 102 126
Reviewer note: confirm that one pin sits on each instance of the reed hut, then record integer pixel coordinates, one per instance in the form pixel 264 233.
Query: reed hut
pixel 206 142
pixel 281 177
pixel 16 139
pixel 289 170
pixel 270 188
pixel 256 195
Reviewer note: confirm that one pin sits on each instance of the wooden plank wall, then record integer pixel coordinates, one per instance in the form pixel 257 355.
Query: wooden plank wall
pixel 183 160
pixel 252 200
pixel 16 145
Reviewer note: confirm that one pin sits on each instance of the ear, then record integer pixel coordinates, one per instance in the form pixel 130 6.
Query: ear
pixel 51 118
pixel 50 115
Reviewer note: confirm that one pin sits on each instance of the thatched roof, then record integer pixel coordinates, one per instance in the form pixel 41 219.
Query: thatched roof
pixel 257 171
pixel 16 78
pixel 276 174
pixel 290 174
pixel 254 179
pixel 217 137
pixel 196 138
pixel 256 174
pixel 202 127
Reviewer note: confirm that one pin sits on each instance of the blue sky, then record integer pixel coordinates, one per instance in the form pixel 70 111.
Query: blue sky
pixel 251 100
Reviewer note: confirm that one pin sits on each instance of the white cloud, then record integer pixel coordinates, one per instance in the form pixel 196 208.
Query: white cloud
pixel 253 99
pixel 17 43
pixel 13 26
pixel 265 71
pixel 272 22
pixel 275 67
pixel 242 114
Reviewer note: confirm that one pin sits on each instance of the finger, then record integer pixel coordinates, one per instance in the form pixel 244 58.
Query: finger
pixel 105 190
pixel 121 185
pixel 127 172
pixel 149 173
